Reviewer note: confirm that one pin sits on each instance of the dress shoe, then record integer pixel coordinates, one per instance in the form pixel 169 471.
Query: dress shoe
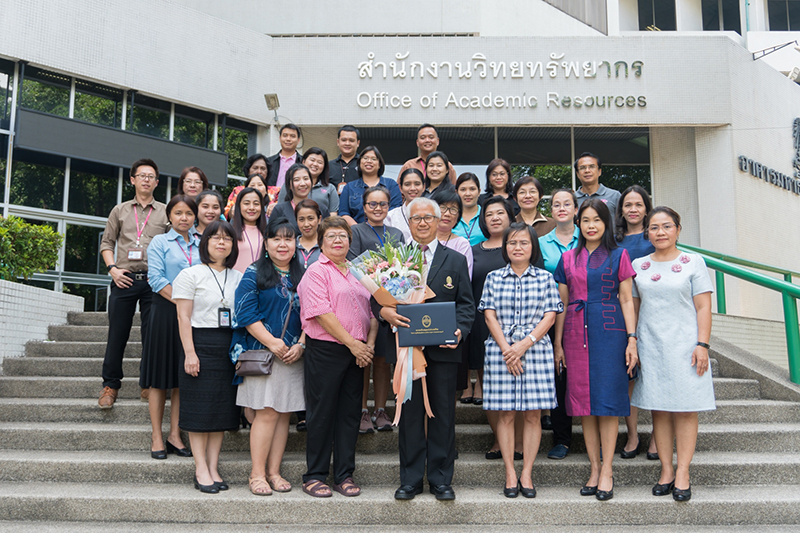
pixel 528 493
pixel 494 454
pixel 443 492
pixel 160 454
pixel 652 456
pixel 180 452
pixel 662 489
pixel 107 398
pixel 547 423
pixel 559 451
pixel 631 454
pixel 407 492
pixel 222 485
pixel 680 495
pixel 517 456
pixel 586 490
pixel 208 489
pixel 477 401
pixel 512 492
pixel 466 399
pixel 605 495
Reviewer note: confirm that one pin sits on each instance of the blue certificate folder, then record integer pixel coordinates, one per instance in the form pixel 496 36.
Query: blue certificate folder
pixel 432 324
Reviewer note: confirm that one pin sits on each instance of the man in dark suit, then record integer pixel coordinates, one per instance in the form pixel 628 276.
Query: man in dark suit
pixel 448 278
pixel 279 163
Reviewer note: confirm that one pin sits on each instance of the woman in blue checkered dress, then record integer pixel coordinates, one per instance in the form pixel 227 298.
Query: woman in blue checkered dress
pixel 519 303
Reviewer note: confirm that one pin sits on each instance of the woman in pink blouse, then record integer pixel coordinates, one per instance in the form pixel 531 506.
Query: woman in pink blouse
pixel 340 335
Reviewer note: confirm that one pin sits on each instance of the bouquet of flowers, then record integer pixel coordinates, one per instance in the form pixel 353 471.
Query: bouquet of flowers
pixel 394 275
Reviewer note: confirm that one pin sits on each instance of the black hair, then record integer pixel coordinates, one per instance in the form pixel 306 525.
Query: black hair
pixel 178 198
pixel 324 178
pixel 493 164
pixel 408 171
pixel 468 176
pixel 676 218
pixel 251 177
pixel 449 196
pixel 603 212
pixel 566 190
pixel 238 221
pixel 290 177
pixel 620 224
pixel 290 126
pixel 219 226
pixel 249 163
pixel 210 192
pixel 381 164
pixel 376 188
pixel 308 204
pixel 266 274
pixel 588 154
pixel 494 200
pixel 349 128
pixel 189 170
pixel 527 180
pixel 426 125
pixel 142 163
pixel 517 227
pixel 443 157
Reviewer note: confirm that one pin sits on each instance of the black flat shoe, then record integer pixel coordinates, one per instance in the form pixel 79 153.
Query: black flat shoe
pixel 547 423
pixel 208 489
pixel 631 454
pixel 180 452
pixel 221 485
pixel 680 495
pixel 467 399
pixel 443 492
pixel 528 493
pixel 512 492
pixel 586 490
pixel 477 401
pixel 160 454
pixel 301 426
pixel 517 456
pixel 605 495
pixel 407 492
pixel 662 489
pixel 652 456
pixel 494 454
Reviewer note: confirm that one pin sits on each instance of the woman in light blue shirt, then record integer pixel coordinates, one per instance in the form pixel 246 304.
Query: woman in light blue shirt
pixel 168 254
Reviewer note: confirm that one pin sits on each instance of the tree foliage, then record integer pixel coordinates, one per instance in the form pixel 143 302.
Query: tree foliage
pixel 26 248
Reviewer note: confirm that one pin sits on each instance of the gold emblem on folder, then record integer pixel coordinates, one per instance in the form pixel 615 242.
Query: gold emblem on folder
pixel 448 283
pixel 426 321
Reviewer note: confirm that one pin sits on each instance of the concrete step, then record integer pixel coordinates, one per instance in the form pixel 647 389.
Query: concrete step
pixel 133 411
pixel 62 387
pixel 95 319
pixel 76 349
pixel 711 505
pixel 65 366
pixel 470 438
pixel 472 469
pixel 87 333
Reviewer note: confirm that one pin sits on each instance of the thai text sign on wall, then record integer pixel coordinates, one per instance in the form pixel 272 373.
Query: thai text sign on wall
pixel 773 176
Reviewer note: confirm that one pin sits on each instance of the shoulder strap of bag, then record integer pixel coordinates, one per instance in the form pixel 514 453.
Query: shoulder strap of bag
pixel 288 316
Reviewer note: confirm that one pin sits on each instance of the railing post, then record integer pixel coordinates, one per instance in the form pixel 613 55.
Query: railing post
pixel 722 307
pixel 792 333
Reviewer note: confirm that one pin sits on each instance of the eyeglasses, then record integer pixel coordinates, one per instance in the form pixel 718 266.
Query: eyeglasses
pixel 586 167
pixel 223 238
pixel 416 219
pixel 192 182
pixel 146 177
pixel 333 237
pixel 498 174
pixel 449 210
pixel 528 192
pixel 372 159
pixel 666 227
pixel 521 244
pixel 375 205
pixel 565 205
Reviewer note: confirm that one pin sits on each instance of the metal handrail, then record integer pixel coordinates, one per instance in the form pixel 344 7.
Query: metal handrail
pixel 790 292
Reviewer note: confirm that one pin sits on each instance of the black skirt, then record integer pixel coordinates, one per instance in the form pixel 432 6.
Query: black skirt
pixel 208 401
pixel 162 350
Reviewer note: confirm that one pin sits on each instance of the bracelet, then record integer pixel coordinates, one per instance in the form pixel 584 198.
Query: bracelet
pixel 632 336
pixel 704 345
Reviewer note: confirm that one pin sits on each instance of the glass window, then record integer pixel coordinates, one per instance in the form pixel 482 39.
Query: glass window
pixel 6 92
pixel 150 116
pixel 237 139
pixel 98 104
pixel 730 16
pixel 534 146
pixel 784 15
pixel 128 190
pixel 3 161
pixel 49 285
pixel 45 91
pixel 36 222
pixel 37 180
pixel 657 13
pixel 729 9
pixel 95 297
pixel 82 249
pixel 710 15
pixel 92 188
pixel 194 127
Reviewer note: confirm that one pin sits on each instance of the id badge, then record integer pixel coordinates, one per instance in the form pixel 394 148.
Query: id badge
pixel 341 187
pixel 135 255
pixel 224 317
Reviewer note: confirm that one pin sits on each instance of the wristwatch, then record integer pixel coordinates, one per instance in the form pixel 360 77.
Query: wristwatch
pixel 532 338
pixel 112 265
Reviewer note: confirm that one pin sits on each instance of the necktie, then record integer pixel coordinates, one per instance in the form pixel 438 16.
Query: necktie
pixel 424 249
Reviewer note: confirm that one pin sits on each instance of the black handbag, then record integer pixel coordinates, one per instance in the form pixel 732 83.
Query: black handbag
pixel 259 362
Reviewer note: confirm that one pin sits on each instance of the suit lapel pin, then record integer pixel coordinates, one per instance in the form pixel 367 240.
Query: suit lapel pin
pixel 448 283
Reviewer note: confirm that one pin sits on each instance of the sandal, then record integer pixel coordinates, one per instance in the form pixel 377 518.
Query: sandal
pixel 317 489
pixel 279 484
pixel 347 488
pixel 259 486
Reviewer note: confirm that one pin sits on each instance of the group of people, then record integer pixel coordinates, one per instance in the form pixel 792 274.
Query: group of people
pixel 593 312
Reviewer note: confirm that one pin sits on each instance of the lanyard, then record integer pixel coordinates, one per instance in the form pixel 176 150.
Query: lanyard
pixel 306 257
pixel 189 255
pixel 253 253
pixel 470 226
pixel 139 230
pixel 380 240
pixel 221 287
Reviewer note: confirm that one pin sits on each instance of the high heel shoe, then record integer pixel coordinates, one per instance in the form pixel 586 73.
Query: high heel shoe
pixel 586 490
pixel 631 454
pixel 221 485
pixel 662 489
pixel 605 495
pixel 208 489
pixel 180 452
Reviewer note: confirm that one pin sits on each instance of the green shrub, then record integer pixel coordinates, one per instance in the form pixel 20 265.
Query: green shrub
pixel 26 248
